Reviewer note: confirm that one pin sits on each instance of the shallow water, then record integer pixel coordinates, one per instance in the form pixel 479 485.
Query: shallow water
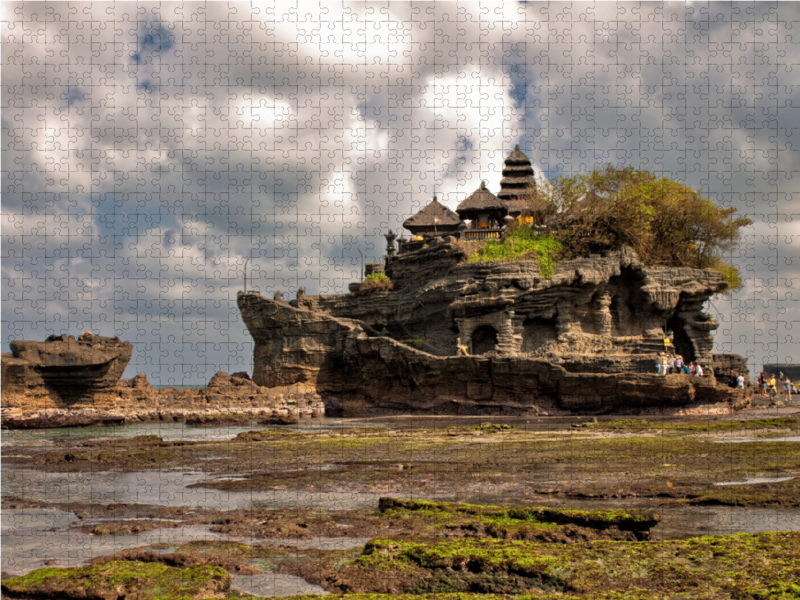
pixel 275 585
pixel 168 431
pixel 755 480
pixel 692 521
pixel 679 522
pixel 165 488
pixel 31 536
pixel 788 438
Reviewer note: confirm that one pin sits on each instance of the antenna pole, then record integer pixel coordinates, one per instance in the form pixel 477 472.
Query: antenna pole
pixel 245 275
pixel 362 263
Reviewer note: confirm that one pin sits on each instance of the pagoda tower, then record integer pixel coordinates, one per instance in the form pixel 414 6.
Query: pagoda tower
pixel 517 180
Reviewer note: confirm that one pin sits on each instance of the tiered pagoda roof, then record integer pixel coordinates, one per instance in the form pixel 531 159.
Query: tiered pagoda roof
pixel 517 179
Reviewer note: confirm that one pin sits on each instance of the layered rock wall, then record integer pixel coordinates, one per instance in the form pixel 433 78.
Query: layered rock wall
pixel 584 340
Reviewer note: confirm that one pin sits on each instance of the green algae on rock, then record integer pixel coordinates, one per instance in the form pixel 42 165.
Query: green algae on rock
pixel 757 566
pixel 121 579
pixel 631 520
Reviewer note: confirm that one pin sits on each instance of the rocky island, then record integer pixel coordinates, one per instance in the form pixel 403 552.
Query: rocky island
pixel 452 333
pixel 583 340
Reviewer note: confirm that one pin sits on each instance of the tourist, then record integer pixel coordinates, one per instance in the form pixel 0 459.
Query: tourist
pixel 773 387
pixel 698 370
pixel 663 363
pixel 787 386
pixel 679 364
pixel 670 364
pixel 762 384
pixel 658 364
pixel 740 381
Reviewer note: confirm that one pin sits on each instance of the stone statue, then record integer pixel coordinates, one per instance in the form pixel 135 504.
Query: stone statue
pixel 278 296
pixel 390 238
pixel 301 292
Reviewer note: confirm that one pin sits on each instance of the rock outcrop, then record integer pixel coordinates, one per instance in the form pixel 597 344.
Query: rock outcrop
pixel 65 382
pixel 584 340
pixel 64 367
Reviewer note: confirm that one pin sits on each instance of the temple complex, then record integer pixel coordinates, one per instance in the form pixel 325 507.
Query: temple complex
pixel 458 336
pixel 482 214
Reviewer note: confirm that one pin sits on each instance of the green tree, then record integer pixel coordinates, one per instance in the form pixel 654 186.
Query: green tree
pixel 665 222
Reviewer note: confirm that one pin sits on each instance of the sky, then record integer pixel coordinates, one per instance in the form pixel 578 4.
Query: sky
pixel 149 150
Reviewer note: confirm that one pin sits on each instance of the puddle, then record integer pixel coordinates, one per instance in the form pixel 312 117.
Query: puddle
pixel 30 536
pixel 165 488
pixel 789 438
pixel 320 543
pixel 755 480
pixel 274 584
pixel 169 431
pixel 679 522
pixel 691 521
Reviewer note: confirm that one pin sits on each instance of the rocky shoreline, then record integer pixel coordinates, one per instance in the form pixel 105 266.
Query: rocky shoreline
pixel 136 401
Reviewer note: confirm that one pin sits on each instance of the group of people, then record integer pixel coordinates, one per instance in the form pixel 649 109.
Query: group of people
pixel 768 386
pixel 670 364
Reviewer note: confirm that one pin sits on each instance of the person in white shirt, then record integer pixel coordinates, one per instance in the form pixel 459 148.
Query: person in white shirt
pixel 740 381
pixel 698 371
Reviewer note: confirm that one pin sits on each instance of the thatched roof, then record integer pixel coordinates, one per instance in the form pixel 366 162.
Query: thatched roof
pixel 517 179
pixel 517 157
pixel 433 214
pixel 481 199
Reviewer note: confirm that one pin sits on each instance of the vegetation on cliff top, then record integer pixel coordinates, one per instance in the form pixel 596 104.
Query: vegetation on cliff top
pixel 521 243
pixel 376 282
pixel 665 222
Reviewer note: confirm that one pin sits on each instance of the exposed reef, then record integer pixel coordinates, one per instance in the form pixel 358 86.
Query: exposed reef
pixel 584 340
pixel 64 382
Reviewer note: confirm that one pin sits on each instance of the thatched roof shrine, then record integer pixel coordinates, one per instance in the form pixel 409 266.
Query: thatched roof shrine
pixel 435 217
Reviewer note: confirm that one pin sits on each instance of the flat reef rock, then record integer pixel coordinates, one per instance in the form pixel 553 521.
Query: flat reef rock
pixel 64 383
pixel 582 341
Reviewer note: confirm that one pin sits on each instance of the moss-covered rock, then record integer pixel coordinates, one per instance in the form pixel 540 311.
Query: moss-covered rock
pixel 754 566
pixel 120 579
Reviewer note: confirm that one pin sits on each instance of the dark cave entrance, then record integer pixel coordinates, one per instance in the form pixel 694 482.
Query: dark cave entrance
pixel 680 339
pixel 484 339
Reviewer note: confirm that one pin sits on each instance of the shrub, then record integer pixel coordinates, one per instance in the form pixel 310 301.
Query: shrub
pixel 376 282
pixel 521 243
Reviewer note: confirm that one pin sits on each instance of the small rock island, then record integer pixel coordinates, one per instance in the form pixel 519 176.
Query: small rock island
pixel 458 336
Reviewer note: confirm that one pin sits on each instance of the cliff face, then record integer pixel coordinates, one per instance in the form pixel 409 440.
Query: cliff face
pixel 584 340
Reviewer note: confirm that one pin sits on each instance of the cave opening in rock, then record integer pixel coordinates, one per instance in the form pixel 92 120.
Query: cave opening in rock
pixel 484 339
pixel 680 339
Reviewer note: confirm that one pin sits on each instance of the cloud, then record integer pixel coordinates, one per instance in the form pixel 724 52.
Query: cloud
pixel 149 150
